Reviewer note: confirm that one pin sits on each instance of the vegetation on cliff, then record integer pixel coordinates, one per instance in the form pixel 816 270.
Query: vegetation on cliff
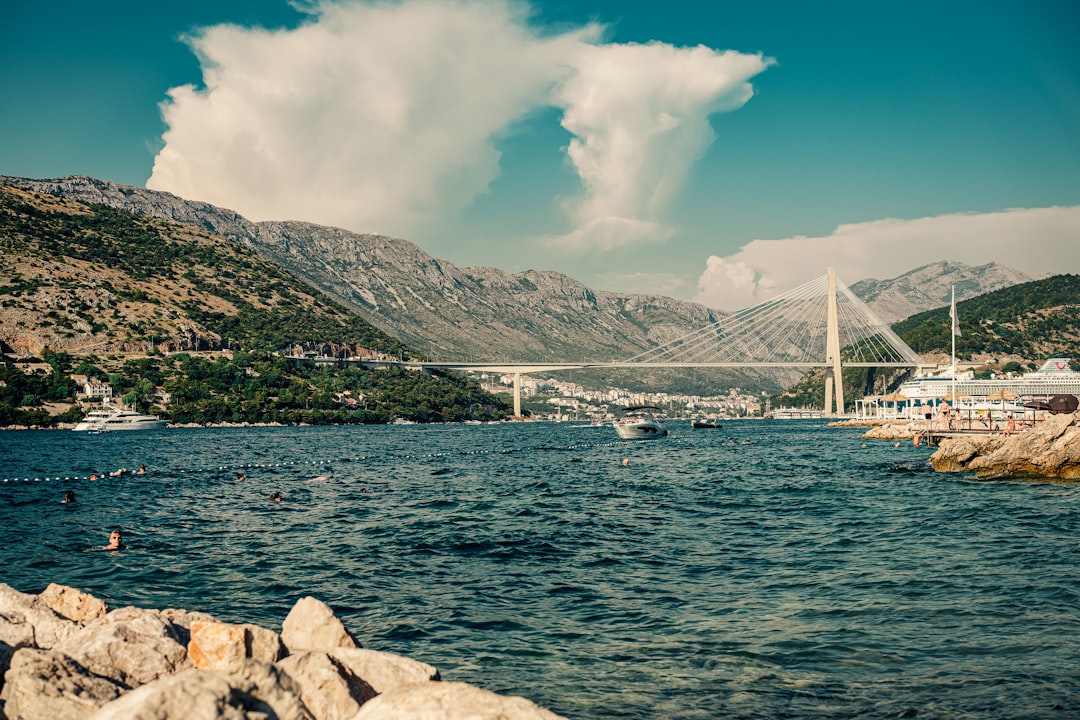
pixel 138 302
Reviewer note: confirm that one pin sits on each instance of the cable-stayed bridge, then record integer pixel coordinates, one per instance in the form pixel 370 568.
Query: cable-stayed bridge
pixel 818 324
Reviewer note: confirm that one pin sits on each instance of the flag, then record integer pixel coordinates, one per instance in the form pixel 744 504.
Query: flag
pixel 955 318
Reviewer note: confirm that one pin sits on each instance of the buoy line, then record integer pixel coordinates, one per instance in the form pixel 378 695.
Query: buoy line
pixel 59 477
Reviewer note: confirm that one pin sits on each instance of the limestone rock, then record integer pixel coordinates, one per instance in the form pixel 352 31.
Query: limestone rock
pixel 329 688
pixel 254 691
pixel 892 431
pixel 26 621
pixel 6 652
pixel 48 685
pixel 1050 450
pixel 129 645
pixel 312 625
pixel 181 620
pixel 72 604
pixel 271 686
pixel 221 645
pixel 384 671
pixel 450 701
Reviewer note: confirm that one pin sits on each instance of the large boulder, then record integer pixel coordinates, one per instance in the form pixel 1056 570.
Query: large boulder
pixel 329 688
pixel 26 621
pixel 382 670
pixel 251 691
pixel 129 645
pixel 1050 450
pixel 220 645
pixel 48 685
pixel 73 604
pixel 312 625
pixel 450 701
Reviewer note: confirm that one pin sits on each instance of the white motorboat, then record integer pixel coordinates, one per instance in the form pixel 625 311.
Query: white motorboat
pixel 639 423
pixel 108 419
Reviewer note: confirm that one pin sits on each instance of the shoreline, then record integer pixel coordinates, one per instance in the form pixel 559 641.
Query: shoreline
pixel 65 655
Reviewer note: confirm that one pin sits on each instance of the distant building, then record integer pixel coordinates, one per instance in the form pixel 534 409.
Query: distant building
pixel 92 388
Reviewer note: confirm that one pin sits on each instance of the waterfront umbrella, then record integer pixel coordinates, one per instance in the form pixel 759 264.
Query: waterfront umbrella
pixel 1063 404
pixel 953 397
pixel 895 397
pixel 1037 405
pixel 1002 395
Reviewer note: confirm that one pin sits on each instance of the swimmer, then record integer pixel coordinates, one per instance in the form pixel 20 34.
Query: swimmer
pixel 69 497
pixel 118 473
pixel 141 470
pixel 275 497
pixel 241 477
pixel 626 461
pixel 93 476
pixel 116 541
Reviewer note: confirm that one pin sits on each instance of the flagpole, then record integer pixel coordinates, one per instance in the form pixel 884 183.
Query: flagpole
pixel 954 321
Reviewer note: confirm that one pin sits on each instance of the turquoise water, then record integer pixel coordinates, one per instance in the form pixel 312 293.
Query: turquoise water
pixel 764 570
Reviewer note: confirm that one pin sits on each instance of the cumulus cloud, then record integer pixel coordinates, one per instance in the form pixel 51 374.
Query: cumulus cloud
pixel 640 118
pixel 1035 241
pixel 384 117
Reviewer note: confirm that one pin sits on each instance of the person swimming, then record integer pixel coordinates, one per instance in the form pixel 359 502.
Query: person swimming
pixel 275 497
pixel 69 497
pixel 116 541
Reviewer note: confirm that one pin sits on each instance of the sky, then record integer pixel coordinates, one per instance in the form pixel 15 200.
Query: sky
pixel 722 152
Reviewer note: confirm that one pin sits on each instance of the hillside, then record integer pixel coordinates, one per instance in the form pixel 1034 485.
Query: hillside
pixel 111 294
pixel 441 310
pixel 81 279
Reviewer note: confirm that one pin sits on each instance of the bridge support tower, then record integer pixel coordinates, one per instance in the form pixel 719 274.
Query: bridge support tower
pixel 834 377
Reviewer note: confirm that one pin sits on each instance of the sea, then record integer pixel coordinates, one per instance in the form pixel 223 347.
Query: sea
pixel 765 569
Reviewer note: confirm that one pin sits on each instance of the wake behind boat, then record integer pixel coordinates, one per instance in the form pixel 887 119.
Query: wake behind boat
pixel 639 423
pixel 108 419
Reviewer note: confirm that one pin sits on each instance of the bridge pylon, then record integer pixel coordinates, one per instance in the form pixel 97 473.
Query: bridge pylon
pixel 834 374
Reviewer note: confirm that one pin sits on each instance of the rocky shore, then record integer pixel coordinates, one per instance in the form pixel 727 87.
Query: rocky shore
pixel 65 656
pixel 1050 450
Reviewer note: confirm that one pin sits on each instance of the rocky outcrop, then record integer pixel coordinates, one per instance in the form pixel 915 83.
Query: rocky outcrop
pixel 1050 450
pixel 65 656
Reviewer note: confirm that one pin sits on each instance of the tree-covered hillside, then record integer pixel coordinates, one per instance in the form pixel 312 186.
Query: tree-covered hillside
pixel 173 316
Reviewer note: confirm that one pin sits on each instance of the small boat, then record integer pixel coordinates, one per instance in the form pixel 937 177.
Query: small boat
pixel 639 423
pixel 706 423
pixel 108 419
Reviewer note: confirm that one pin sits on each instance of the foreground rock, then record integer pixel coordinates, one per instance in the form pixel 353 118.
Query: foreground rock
pixel 1050 450
pixel 64 656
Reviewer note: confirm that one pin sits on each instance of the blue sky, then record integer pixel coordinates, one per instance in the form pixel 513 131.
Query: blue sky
pixel 717 151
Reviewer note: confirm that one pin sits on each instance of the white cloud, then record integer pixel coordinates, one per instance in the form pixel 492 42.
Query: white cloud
pixel 375 117
pixel 1035 241
pixel 640 118
pixel 383 117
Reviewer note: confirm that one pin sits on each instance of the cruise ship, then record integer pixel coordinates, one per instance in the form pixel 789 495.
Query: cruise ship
pixel 1055 377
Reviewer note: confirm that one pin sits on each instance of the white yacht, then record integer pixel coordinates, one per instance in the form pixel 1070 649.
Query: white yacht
pixel 108 419
pixel 639 423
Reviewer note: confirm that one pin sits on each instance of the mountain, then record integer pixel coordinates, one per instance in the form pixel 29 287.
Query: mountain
pixel 89 279
pixel 930 286
pixel 433 306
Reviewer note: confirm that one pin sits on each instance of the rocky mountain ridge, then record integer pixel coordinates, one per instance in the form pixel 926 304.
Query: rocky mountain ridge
pixel 480 313
pixel 930 286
